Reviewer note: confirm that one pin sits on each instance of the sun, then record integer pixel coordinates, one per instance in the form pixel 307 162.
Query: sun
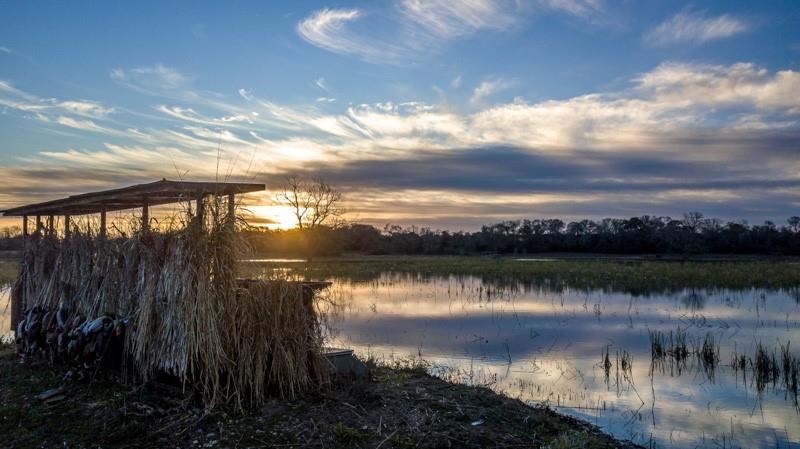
pixel 272 217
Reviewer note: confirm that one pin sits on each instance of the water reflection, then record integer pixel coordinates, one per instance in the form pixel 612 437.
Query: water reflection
pixel 589 353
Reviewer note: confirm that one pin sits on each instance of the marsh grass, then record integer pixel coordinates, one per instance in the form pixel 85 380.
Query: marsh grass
pixel 707 354
pixel 635 277
pixel 770 367
pixel 189 315
pixel 605 362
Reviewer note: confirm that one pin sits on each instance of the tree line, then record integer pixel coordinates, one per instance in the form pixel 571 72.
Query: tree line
pixel 691 234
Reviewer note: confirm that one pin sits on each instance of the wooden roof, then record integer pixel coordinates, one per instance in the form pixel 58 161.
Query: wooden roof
pixel 152 194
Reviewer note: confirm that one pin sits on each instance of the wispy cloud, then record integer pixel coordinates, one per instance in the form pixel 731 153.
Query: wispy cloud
pixel 329 29
pixel 488 88
pixel 415 27
pixel 246 94
pixel 150 79
pixel 579 8
pixel 5 50
pixel 325 99
pixel 321 83
pixel 49 109
pixel 456 82
pixel 695 28
pixel 447 19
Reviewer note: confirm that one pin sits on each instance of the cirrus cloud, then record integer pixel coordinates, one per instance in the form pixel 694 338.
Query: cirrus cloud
pixel 695 28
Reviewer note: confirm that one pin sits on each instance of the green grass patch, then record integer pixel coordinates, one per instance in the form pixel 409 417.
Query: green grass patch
pixel 633 276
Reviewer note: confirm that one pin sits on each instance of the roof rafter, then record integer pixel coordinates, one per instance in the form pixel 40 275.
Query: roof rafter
pixel 151 194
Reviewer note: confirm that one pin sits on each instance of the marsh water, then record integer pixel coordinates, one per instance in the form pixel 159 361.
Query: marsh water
pixel 590 354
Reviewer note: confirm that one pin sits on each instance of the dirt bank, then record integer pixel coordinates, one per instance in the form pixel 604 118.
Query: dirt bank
pixel 399 407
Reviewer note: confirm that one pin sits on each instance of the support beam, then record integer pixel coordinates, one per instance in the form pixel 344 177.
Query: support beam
pixel 232 210
pixel 103 223
pixel 51 225
pixel 24 227
pixel 145 215
pixel 200 205
pixel 67 229
pixel 39 226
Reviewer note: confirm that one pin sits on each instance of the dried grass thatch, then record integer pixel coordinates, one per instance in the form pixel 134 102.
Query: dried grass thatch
pixel 188 315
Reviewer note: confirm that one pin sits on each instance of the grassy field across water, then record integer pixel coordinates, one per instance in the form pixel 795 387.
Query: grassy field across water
pixel 629 275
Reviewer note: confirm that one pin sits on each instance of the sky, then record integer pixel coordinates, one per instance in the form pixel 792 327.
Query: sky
pixel 437 113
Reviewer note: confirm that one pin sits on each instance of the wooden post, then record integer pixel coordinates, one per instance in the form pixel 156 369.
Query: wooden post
pixel 16 294
pixel 39 226
pixel 51 227
pixel 103 222
pixel 145 215
pixel 232 210
pixel 200 205
pixel 67 230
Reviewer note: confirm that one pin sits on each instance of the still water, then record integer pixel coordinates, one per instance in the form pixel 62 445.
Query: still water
pixel 546 346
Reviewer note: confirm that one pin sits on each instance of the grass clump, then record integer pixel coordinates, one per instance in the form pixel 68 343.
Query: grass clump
pixel 187 314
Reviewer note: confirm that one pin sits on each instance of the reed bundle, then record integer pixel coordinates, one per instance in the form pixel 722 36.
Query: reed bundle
pixel 187 314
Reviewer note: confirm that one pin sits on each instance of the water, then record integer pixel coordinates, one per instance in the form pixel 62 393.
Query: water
pixel 546 346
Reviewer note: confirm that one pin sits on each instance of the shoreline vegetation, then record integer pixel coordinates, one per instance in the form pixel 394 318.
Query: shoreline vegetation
pixel 401 406
pixel 610 273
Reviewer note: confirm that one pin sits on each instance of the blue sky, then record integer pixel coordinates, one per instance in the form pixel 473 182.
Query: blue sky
pixel 448 114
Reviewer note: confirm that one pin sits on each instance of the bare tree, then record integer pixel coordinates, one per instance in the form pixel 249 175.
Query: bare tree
pixel 313 202
pixel 794 224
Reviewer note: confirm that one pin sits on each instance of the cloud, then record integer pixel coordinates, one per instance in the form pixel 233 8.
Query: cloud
pixel 579 8
pixel 716 85
pixel 150 79
pixel 448 19
pixel 321 83
pixel 85 125
pixel 417 28
pixel 414 29
pixel 456 82
pixel 325 100
pixel 5 50
pixel 329 30
pixel 695 28
pixel 488 88
pixel 679 136
pixel 77 114
pixel 246 94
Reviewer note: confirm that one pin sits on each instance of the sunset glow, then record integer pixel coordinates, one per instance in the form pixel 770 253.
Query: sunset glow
pixel 424 113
